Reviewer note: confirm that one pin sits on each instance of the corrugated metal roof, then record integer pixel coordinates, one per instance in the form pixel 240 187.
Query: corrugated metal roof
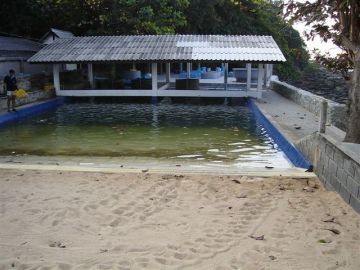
pixel 161 48
pixel 19 44
pixel 12 48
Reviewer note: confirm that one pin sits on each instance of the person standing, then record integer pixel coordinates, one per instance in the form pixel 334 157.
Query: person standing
pixel 11 86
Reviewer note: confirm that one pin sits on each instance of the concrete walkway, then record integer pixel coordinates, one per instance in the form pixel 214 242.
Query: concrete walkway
pixel 286 115
pixel 291 119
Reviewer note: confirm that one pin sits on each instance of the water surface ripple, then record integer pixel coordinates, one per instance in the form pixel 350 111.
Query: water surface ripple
pixel 214 134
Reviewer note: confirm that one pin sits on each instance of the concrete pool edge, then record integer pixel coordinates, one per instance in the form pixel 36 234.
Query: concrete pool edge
pixel 290 150
pixel 251 172
pixel 30 109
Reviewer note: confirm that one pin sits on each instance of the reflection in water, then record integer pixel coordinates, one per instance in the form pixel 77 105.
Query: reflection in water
pixel 215 134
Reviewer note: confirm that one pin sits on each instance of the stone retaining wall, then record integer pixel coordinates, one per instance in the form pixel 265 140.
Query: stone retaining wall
pixel 337 113
pixel 22 82
pixel 336 166
pixel 30 98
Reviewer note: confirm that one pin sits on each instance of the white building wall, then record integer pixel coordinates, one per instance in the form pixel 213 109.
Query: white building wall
pixel 48 40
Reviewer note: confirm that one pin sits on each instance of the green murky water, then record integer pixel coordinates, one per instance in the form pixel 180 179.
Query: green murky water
pixel 215 134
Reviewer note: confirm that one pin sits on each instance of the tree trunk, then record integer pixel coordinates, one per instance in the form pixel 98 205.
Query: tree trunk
pixel 353 130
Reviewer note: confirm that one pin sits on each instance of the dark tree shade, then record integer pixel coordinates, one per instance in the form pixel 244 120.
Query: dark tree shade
pixel 33 18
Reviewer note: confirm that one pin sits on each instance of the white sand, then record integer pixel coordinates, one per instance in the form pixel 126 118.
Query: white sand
pixel 77 220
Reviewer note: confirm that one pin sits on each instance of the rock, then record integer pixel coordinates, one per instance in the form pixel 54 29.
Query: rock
pixel 324 83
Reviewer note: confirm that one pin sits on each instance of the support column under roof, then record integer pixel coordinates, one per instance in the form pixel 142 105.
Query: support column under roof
pixel 56 77
pixel 260 81
pixel 90 75
pixel 167 72
pixel 248 77
pixel 188 70
pixel 154 84
pixel 226 74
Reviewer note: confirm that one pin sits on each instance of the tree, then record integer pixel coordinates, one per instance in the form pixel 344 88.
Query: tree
pixel 16 17
pixel 344 31
pixel 33 18
pixel 249 17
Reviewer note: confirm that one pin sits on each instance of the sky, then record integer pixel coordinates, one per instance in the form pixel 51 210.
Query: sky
pixel 317 43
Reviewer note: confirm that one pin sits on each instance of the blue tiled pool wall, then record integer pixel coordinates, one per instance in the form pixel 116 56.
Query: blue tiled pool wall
pixel 31 110
pixel 294 155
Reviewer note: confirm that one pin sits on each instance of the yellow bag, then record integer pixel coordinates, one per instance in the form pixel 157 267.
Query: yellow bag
pixel 49 87
pixel 20 93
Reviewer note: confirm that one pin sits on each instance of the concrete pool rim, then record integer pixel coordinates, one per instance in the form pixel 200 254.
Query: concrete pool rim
pixel 291 152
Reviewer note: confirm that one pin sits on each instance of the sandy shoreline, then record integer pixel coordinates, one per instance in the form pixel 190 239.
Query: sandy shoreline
pixel 87 220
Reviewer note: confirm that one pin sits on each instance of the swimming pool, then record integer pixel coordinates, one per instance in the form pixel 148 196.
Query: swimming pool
pixel 214 135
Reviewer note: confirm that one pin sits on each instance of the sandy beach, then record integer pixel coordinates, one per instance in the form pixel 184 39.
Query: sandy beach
pixel 85 220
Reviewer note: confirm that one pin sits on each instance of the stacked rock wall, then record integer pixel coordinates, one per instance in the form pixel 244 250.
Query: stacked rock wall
pixel 322 82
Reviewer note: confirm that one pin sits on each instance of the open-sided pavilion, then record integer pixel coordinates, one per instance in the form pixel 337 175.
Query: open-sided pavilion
pixel 157 51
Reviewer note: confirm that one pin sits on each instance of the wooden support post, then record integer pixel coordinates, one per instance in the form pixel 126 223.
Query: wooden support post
pixel 323 116
pixel 260 77
pixel 167 72
pixel 134 66
pixel 188 70
pixel 226 74
pixel 248 77
pixel 181 67
pixel 56 76
pixel 91 75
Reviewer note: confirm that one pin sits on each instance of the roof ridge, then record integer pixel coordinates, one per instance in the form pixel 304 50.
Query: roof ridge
pixel 161 35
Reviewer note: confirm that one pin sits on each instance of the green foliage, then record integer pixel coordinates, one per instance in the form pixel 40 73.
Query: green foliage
pixel 16 17
pixel 33 18
pixel 249 17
